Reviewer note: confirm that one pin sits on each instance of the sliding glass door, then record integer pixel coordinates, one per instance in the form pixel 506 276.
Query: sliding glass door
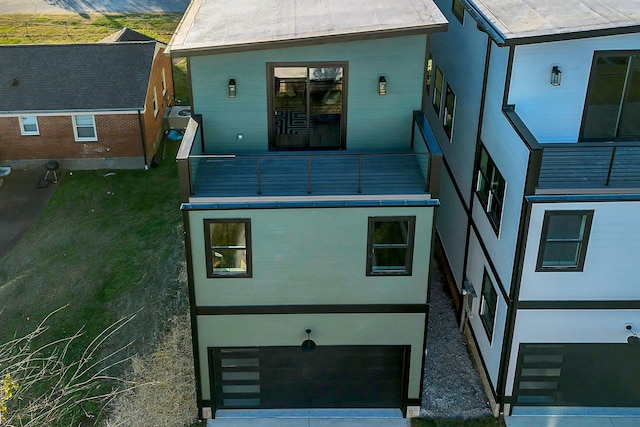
pixel 307 105
pixel 612 110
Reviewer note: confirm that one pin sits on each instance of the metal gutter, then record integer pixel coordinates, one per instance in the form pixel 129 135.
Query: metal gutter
pixel 587 198
pixel 486 24
pixel 309 204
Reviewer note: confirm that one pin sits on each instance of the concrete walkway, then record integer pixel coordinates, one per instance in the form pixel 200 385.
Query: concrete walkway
pixel 570 421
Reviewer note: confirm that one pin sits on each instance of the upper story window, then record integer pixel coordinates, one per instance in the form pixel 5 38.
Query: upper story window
pixel 563 244
pixel 428 73
pixel 29 125
pixel 390 246
pixel 458 10
pixel 449 109
pixel 437 90
pixel 490 188
pixel 488 305
pixel 84 128
pixel 613 99
pixel 228 247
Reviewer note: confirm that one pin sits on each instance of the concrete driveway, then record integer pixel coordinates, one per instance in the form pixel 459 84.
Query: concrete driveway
pixel 21 201
pixel 88 6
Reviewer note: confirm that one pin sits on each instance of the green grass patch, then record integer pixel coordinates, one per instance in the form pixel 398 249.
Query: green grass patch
pixel 107 246
pixel 85 28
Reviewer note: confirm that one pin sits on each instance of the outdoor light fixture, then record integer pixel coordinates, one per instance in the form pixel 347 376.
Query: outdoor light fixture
pixel 633 338
pixel 556 76
pixel 382 86
pixel 308 344
pixel 232 88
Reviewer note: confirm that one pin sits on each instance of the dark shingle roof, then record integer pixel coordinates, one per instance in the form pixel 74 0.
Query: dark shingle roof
pixel 75 76
pixel 126 35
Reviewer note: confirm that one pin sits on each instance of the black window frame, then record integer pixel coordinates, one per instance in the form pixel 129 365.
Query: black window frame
pixel 582 242
pixel 428 73
pixel 210 248
pixel 491 188
pixel 448 112
pixel 631 55
pixel 490 302
pixel 408 246
pixel 458 10
pixel 436 100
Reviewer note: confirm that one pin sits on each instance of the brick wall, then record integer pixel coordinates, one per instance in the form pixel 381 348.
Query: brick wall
pixel 154 125
pixel 118 136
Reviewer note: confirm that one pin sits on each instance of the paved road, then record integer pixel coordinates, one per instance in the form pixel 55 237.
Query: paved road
pixel 87 6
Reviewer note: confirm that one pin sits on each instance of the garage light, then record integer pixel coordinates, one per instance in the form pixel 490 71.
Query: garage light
pixel 633 338
pixel 308 344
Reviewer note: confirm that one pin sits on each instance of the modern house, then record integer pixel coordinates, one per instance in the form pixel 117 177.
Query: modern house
pixel 309 182
pixel 88 106
pixel 535 108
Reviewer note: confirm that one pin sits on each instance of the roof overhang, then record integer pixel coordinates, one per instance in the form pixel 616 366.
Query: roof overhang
pixel 223 26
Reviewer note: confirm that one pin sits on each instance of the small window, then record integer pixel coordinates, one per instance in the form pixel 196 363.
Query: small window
pixel 563 245
pixel 449 109
pixel 155 101
pixel 488 305
pixel 228 247
pixel 437 91
pixel 29 125
pixel 390 246
pixel 84 128
pixel 164 83
pixel 458 10
pixel 490 188
pixel 427 74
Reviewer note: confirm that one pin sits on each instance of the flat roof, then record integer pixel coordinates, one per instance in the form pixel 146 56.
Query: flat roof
pixel 233 25
pixel 521 21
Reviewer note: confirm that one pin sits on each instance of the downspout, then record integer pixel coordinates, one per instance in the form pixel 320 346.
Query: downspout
pixel 144 149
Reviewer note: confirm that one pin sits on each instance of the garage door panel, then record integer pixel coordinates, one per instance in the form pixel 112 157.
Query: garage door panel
pixel 600 375
pixel 332 376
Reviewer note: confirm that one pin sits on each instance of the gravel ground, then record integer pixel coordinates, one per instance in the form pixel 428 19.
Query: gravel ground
pixel 452 386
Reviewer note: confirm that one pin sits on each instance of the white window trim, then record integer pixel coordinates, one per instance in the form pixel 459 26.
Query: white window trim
pixel 26 133
pixel 156 107
pixel 75 128
pixel 164 82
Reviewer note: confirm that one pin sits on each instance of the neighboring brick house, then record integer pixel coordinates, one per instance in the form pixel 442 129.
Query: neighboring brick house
pixel 88 106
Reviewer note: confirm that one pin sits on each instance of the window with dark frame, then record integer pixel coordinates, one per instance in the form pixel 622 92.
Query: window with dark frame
pixel 428 73
pixel 563 242
pixel 458 10
pixel 488 305
pixel 390 246
pixel 490 188
pixel 437 90
pixel 449 108
pixel 613 98
pixel 228 247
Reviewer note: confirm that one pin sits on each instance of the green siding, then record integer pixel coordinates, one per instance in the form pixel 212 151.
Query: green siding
pixel 331 329
pixel 374 122
pixel 311 256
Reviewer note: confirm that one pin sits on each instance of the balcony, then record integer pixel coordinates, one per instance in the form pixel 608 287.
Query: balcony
pixel 581 168
pixel 319 176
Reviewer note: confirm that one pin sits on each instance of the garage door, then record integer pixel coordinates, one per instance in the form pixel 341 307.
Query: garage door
pixel 602 375
pixel 328 377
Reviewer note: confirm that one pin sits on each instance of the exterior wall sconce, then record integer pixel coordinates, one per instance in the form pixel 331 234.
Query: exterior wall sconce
pixel 633 338
pixel 308 344
pixel 556 76
pixel 232 88
pixel 382 86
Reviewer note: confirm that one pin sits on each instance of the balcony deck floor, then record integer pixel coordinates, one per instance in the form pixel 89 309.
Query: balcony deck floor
pixel 288 175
